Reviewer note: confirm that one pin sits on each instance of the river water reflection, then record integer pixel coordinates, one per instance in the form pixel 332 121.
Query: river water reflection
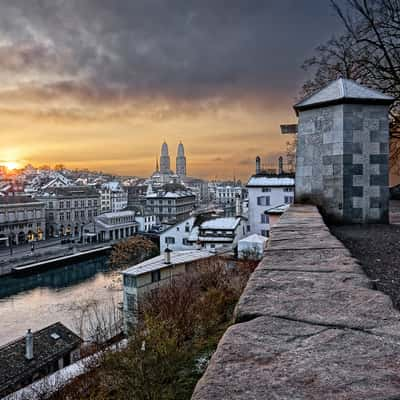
pixel 38 300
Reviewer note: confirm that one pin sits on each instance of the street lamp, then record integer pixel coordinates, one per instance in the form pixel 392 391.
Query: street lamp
pixel 10 243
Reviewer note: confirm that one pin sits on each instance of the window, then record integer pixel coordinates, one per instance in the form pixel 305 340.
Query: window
pixel 264 233
pixel 68 204
pixel 264 219
pixel 155 276
pixel 83 214
pixel 170 240
pixel 50 204
pixel 82 203
pixel 76 204
pixel 288 189
pixel 68 216
pixel 129 281
pixel 61 216
pixel 185 242
pixel 263 201
pixel 61 204
pixel 266 189
pixel 248 228
pixel 89 213
pixel 89 203
pixel 76 214
pixel 288 199
pixel 187 228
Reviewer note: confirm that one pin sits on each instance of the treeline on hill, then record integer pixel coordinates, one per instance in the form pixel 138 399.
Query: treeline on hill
pixel 181 324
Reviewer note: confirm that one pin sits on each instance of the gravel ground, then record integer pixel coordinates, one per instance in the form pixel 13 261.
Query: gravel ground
pixel 378 249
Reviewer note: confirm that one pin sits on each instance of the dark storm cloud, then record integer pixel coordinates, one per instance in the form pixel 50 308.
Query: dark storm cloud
pixel 181 49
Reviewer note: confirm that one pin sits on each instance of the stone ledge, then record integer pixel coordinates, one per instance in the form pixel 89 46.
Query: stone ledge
pixel 308 326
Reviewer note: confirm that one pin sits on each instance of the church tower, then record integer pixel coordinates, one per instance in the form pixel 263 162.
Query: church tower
pixel 181 161
pixel 165 163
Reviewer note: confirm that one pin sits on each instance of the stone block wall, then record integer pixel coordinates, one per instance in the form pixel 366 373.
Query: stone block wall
pixel 309 325
pixel 342 161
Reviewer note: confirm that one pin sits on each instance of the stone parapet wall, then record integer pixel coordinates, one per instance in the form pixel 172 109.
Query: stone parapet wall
pixel 309 325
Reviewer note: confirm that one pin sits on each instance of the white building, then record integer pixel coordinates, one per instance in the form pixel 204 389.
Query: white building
pixel 112 226
pixel 177 236
pixel 266 191
pixel 252 247
pixel 227 194
pixel 140 279
pixel 219 232
pixel 146 222
pixel 113 197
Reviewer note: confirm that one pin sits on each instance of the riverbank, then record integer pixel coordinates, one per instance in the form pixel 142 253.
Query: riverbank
pixel 50 256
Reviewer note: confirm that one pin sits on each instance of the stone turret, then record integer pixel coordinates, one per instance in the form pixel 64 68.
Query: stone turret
pixel 343 150
pixel 165 162
pixel 181 161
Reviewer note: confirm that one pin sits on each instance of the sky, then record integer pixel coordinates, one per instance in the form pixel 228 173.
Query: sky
pixel 100 84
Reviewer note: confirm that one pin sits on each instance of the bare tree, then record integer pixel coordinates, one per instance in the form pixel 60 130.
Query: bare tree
pixel 369 52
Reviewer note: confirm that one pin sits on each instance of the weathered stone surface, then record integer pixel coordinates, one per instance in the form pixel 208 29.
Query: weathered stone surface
pixel 272 358
pixel 309 325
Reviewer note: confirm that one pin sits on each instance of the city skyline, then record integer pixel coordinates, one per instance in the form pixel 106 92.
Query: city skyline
pixel 102 92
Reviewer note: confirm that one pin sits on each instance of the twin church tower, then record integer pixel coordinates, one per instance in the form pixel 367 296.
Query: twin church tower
pixel 165 161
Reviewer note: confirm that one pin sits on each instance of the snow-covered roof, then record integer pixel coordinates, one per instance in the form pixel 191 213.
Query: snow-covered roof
pixel 278 209
pixel 170 195
pixel 177 257
pixel 258 181
pixel 254 239
pixel 215 239
pixel 117 214
pixel 340 90
pixel 221 223
pixel 114 186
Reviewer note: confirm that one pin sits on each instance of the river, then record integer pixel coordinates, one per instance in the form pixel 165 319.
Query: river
pixel 62 294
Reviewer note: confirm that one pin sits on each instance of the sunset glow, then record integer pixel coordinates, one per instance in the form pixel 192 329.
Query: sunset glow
pixel 11 165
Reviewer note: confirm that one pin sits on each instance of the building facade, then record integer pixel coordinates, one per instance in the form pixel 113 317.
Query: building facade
pixel 266 191
pixel 140 279
pixel 219 233
pixel 112 226
pixel 171 207
pixel 68 210
pixel 176 237
pixel 113 197
pixel 22 220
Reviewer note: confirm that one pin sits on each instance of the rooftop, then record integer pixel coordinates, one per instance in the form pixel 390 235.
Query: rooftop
pixel 254 239
pixel 343 91
pixel 177 257
pixel 117 214
pixel 4 200
pixel 221 223
pixel 265 180
pixel 74 191
pixel 49 343
pixel 170 195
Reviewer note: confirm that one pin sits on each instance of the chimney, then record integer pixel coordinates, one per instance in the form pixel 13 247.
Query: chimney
pixel 238 205
pixel 29 345
pixel 167 256
pixel 258 164
pixel 280 165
